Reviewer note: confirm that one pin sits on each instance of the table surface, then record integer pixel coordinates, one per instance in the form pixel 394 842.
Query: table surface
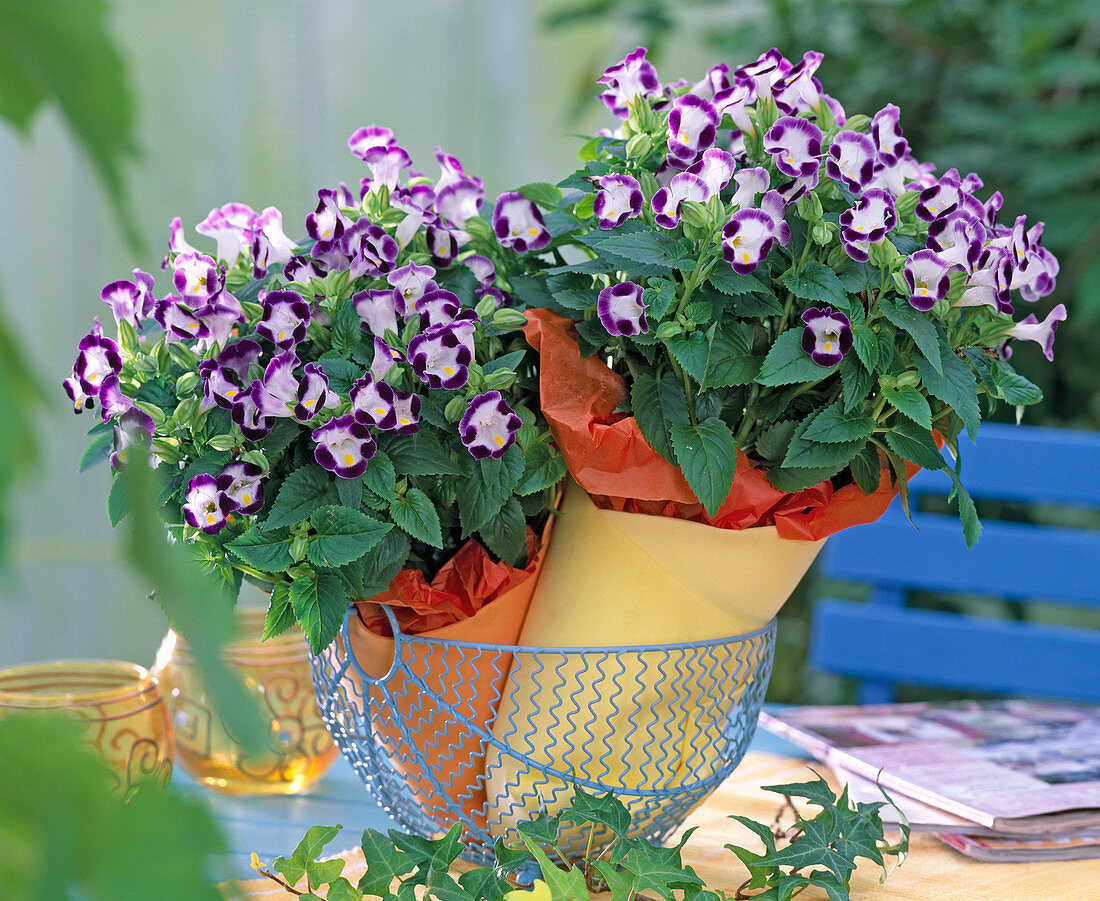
pixel 273 826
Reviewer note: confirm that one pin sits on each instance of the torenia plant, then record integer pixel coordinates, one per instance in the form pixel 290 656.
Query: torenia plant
pixel 327 412
pixel 776 278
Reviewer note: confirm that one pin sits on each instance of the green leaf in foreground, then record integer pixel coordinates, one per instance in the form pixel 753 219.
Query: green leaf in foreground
pixel 302 492
pixel 707 457
pixel 319 601
pixel 658 405
pixel 415 514
pixel 268 551
pixel 342 535
pixel 787 363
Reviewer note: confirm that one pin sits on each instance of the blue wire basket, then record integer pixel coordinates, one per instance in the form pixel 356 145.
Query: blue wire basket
pixel 660 726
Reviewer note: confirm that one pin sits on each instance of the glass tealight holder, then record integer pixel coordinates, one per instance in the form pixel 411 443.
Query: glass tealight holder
pixel 277 674
pixel 120 705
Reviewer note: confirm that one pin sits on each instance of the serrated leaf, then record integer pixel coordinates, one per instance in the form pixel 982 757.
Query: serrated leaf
pixel 118 501
pixel 505 534
pixel 380 476
pixel 856 382
pixel 954 383
pixel 303 491
pixel 730 362
pixel 418 455
pixel 787 363
pixel 773 442
pixel 341 373
pixel 804 454
pixel 833 425
pixel 658 404
pixel 543 467
pixel 341 536
pixel 415 514
pixel 319 604
pixel 530 290
pixel 706 454
pixel 866 469
pixel 486 488
pixel 651 248
pixel 658 297
pixel 346 328
pixel 909 400
pixel 917 324
pixel 914 443
pixel 382 562
pixel 542 193
pixel 280 615
pixel 724 279
pixel 350 492
pixel 1013 388
pixel 794 479
pixel 691 352
pixel 267 550
pixel 968 514
pixel 817 282
pixel 755 306
pixel 865 343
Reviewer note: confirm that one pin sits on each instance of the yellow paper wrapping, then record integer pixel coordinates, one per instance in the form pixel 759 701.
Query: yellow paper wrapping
pixel 636 721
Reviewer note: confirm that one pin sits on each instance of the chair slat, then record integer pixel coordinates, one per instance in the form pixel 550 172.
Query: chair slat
pixel 930 648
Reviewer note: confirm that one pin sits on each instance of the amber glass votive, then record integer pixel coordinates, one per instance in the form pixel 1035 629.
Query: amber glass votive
pixel 277 674
pixel 120 705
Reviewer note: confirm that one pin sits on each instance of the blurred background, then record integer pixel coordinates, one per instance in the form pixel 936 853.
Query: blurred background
pixel 253 102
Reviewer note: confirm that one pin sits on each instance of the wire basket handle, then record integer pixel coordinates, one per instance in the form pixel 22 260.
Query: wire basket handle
pixel 399 641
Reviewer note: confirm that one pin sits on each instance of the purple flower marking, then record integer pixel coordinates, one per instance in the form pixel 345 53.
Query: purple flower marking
pixel 442 244
pixel 237 358
pixel 633 77
pixel 372 252
pixel 734 101
pixel 903 174
pixel 344 446
pixel 867 223
pixel 126 300
pixel 799 91
pixel 795 145
pixel 460 200
pixel 716 79
pixel 302 269
pixel 941 197
pixel 692 126
pixel 851 160
pixel 134 427
pixel 372 401
pixel 715 167
pixel 327 223
pixel 384 359
pixel 769 69
pixel 229 225
pixel 81 400
pixel 441 354
pixel 750 183
pixel 890 146
pixel 489 426
pixel 416 201
pixel 363 140
pixel 285 320
pixel 270 244
pixel 208 506
pixel 622 310
pixel 435 307
pixel 666 202
pixel 313 393
pixel 518 224
pixel 928 278
pixel 988 284
pixel 957 238
pixel 1042 333
pixel 243 486
pixel 406 414
pixel 748 237
pixel 827 336
pixel 277 394
pixel 484 270
pixel 619 198
pixel 112 401
pixel 196 277
pixel 410 282
pixel 378 310
pixel 450 169
pixel 386 164
pixel 218 320
pixel 246 413
pixel 97 357
pixel 177 243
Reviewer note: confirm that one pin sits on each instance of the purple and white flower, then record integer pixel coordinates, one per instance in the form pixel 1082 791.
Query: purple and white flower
pixel 692 127
pixel 130 301
pixel 230 226
pixel 133 428
pixel 795 146
pixel 715 167
pixel 363 140
pixel 957 238
pixel 851 160
pixel 242 486
pixel 1042 333
pixel 196 278
pixel 633 77
pixel 313 394
pixel 207 506
pixel 748 237
pixel 416 201
pixel 385 164
pixel 518 224
pixel 827 336
pixel 441 354
pixel 112 402
pixel 369 248
pixel 372 401
pixel 270 244
pixel 618 199
pixel 97 358
pixel 327 223
pixel 277 393
pixel 301 269
pixel 666 202
pixel 716 79
pixel 867 223
pixel 344 446
pixel 81 400
pixel 385 357
pixel 750 183
pixel 988 284
pixel 218 318
pixel 378 310
pixel 435 307
pixel 622 310
pixel 886 135
pixel 940 198
pixel 247 415
pixel 460 200
pixel 769 70
pixel 799 91
pixel 285 320
pixel 410 282
pixel 489 426
pixel 928 277
pixel 443 244
pixel 237 358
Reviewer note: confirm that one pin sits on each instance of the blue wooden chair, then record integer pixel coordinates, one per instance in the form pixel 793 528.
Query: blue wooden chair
pixel 884 642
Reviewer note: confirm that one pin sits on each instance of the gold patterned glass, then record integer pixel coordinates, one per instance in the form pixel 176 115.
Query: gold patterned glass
pixel 277 673
pixel 120 704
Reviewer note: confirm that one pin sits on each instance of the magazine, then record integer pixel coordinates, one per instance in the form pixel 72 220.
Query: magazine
pixel 1022 768
pixel 1001 849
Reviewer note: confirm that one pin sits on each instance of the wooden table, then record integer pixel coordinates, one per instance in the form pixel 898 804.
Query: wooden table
pixel 933 872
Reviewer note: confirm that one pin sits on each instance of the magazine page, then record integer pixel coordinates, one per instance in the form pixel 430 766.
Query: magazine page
pixel 983 761
pixel 1022 850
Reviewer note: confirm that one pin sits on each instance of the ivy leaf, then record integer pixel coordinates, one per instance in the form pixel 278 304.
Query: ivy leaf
pixel 542 193
pixel 280 615
pixel 620 882
pixel 319 601
pixel 833 425
pixel 817 282
pixel 658 869
pixel 605 809
pixel 322 872
pixel 658 405
pixel 866 469
pixel 341 536
pixel 910 401
pixel 730 362
pixel 787 363
pixel 706 454
pixel 914 443
pixel 380 476
pixel 953 383
pixel 415 514
pixel 431 855
pixel 303 491
pixel 342 890
pixel 917 324
pixel 816 791
pixel 385 863
pixel 691 352
pixel 267 550
pixel 505 534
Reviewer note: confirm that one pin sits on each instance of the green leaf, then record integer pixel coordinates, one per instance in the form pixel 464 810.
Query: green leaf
pixel 658 297
pixel 835 455
pixel 917 325
pixel 909 400
pixel 773 442
pixel 564 885
pixel 322 872
pixel 658 405
pixel 319 603
pixel 724 279
pixel 346 328
pixel 968 514
pixel 418 455
pixel 954 383
pixel 855 381
pixel 787 363
pixel 385 863
pixel 280 615
pixel 730 362
pixel 691 352
pixel 341 373
pixel 432 855
pixel 543 467
pixel 313 843
pixel 486 487
pixel 350 492
pixel 118 501
pixel 342 890
pixel 280 437
pixel 658 869
pixel 619 882
pixel 813 848
pixel 1013 387
pixel 706 454
pixel 605 809
pixel 506 533
pixel 291 869
pixel 865 343
pixel 866 469
pixel 545 195
pixel 267 550
pixel 914 443
pixel 342 535
pixel 380 476
pixel 792 479
pixel 530 290
pixel 817 282
pixel 833 425
pixel 303 491
pixel 382 562
pixel 99 451
pixel 415 514
pixel 657 249
pixel 816 791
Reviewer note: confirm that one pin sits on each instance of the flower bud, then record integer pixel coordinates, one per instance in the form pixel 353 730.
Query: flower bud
pixel 182 355
pixel 486 307
pixel 185 410
pixel 906 203
pixel 668 330
pixel 639 146
pixel 809 207
pixel 167 449
pixel 694 214
pixel 222 442
pixel 858 122
pixel 155 412
pixel 509 320
pixel 500 379
pixel 456 406
pixel 649 184
pixel 821 233
pixel 256 457
pixel 883 254
pixel 908 378
pixel 298 548
pixel 127 338
pixel 187 383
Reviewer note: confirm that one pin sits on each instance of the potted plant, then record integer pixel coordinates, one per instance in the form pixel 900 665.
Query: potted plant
pixel 350 418
pixel 770 314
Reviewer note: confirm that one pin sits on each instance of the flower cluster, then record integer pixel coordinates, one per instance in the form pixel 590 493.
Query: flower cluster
pixel 325 411
pixel 822 299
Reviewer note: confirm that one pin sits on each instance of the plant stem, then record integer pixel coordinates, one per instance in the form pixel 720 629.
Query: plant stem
pixel 748 421
pixel 685 381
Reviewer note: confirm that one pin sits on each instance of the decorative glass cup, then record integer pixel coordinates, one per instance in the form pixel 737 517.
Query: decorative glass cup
pixel 120 704
pixel 277 673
